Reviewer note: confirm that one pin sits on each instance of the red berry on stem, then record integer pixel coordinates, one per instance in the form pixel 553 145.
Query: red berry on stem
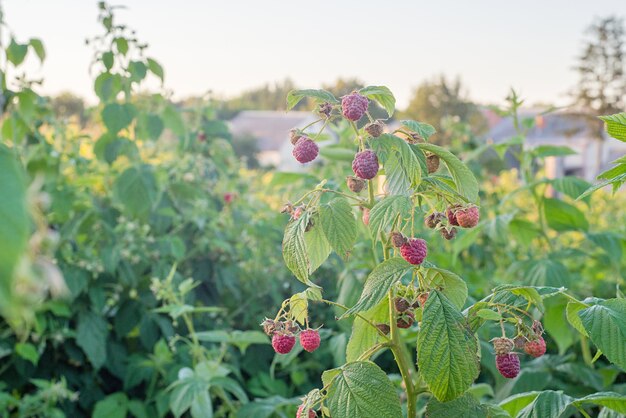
pixel 536 347
pixel 312 414
pixel 451 214
pixel 283 343
pixel 414 251
pixel 468 217
pixel 306 150
pixel 353 106
pixel 405 320
pixel 365 164
pixel 229 197
pixel 310 340
pixel 508 365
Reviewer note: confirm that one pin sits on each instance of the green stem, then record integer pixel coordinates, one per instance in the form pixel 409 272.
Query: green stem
pixel 339 305
pixel 584 346
pixel 370 192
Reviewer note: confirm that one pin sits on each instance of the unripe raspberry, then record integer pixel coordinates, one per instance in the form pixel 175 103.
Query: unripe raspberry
pixel 365 164
pixel 294 136
pixel 201 136
pixel 432 163
pixel 401 304
pixel 325 109
pixel 297 212
pixel 536 347
pixel 310 340
pixel 283 343
pixel 468 217
pixel 269 326
pixel 503 345
pixel 355 184
pixel 384 328
pixel 353 106
pixel 422 298
pixel 306 150
pixel 405 320
pixel 375 129
pixel 520 342
pixel 432 220
pixel 312 414
pixel 414 251
pixel 508 365
pixel 451 214
pixel 448 233
pixel 397 239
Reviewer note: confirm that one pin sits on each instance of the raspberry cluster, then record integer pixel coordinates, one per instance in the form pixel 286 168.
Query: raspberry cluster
pixel 507 361
pixel 284 334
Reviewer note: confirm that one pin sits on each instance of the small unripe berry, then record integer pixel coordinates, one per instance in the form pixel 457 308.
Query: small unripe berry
pixel 503 345
pixel 397 239
pixel 384 328
pixel 432 220
pixel 448 233
pixel 375 129
pixel 422 298
pixel 401 304
pixel 432 163
pixel 405 320
pixel 325 109
pixel 355 184
pixel 451 214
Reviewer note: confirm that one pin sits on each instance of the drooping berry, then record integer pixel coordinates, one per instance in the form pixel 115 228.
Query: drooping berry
pixel 283 343
pixel 312 414
pixel 310 340
pixel 405 320
pixel 451 214
pixel 422 298
pixel 414 251
pixel 503 345
pixel 468 217
pixel 384 328
pixel 355 184
pixel 229 197
pixel 365 164
pixel 448 233
pixel 401 304
pixel 397 239
pixel 366 216
pixel 353 106
pixel 432 163
pixel 508 365
pixel 375 129
pixel 306 150
pixel 432 220
pixel 535 347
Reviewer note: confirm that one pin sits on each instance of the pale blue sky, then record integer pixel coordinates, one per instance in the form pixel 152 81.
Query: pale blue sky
pixel 228 46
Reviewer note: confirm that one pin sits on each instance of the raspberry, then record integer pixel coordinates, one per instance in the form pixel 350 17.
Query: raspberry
pixel 366 216
pixel 508 365
pixel 365 164
pixel 448 233
pixel 468 217
pixel 384 328
pixel 312 414
pixel 397 239
pixel 401 304
pixel 375 129
pixel 269 326
pixel 297 212
pixel 310 340
pixel 432 220
pixel 451 214
pixel 229 197
pixel 355 184
pixel 503 345
pixel 353 106
pixel 414 251
pixel 325 109
pixel 519 342
pixel 405 320
pixel 305 150
pixel 283 343
pixel 432 163
pixel 201 136
pixel 422 298
pixel 536 347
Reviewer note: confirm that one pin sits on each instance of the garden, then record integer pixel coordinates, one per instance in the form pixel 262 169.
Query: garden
pixel 146 270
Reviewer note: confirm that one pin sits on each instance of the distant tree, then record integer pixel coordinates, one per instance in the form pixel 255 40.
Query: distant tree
pixel 601 68
pixel 267 97
pixel 343 86
pixel 67 105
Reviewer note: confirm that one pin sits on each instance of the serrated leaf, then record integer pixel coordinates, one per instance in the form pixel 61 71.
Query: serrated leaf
pixel 542 151
pixel 570 186
pixel 611 400
pixel 446 349
pixel 294 249
pixel 489 315
pixel 91 337
pixel 136 189
pixel 382 95
pixel 466 184
pixel 402 167
pixel 616 125
pixel 39 49
pixel 299 307
pixel 547 272
pixel 606 325
pixel 185 391
pixel 562 216
pixel 555 322
pixel 379 282
pixel 16 52
pixel 117 116
pixel 295 96
pixel 156 69
pixel 362 389
pixel 571 313
pixel 339 225
pixel 422 129
pixel 28 352
pixel 113 406
pixel 452 286
pixel 317 246
pixel 363 335
pixel 547 404
pixel 515 403
pixel 465 406
pixel 385 211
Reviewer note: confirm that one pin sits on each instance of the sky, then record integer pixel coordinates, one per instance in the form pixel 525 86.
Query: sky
pixel 229 46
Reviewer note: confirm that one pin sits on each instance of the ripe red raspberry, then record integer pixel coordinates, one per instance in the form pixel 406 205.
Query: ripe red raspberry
pixel 414 251
pixel 405 320
pixel 448 233
pixel 451 214
pixel 536 347
pixel 229 197
pixel 468 217
pixel 297 212
pixel 503 345
pixel 310 340
pixel 306 150
pixel 355 184
pixel 312 414
pixel 401 304
pixel 353 106
pixel 432 163
pixel 508 365
pixel 432 220
pixel 365 164
pixel 201 136
pixel 283 343
pixel 375 129
pixel 366 216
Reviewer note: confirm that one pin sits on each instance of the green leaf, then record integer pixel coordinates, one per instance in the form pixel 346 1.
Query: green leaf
pixel 118 116
pixel 295 96
pixel 299 307
pixel 337 153
pixel 542 151
pixel 515 403
pixel 91 336
pixel 173 120
pixel 28 352
pixel 611 400
pixel 156 69
pixel 113 406
pixel 616 125
pixel 380 280
pixel 137 70
pixel 451 285
pixel 562 216
pixel 110 147
pixel 39 49
pixel 136 189
pixel 364 336
pixel 201 406
pixel 489 315
pixel 554 321
pixel 382 95
pixel 401 164
pixel 16 52
pixel 137 409
pixel 606 325
pixel 15 225
pixel 446 349
pixel 422 129
pixel 108 59
pixel 571 313
pixel 317 246
pixel 362 389
pixel 240 339
pixel 294 249
pixel 122 45
pixel 465 406
pixel 466 184
pixel 339 225
pixel 570 186
pixel 107 86
pixel 547 404
pixel 547 272
pixel 185 391
pixel 385 212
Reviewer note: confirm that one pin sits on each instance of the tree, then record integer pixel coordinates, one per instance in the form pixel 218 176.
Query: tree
pixel 67 105
pixel 602 83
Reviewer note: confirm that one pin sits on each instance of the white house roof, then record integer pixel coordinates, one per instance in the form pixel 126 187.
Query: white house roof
pixel 270 128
